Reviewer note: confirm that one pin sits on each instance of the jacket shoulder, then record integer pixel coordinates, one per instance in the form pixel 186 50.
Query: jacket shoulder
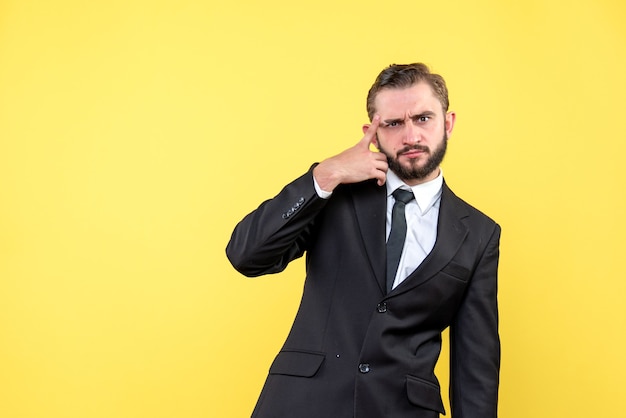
pixel 475 215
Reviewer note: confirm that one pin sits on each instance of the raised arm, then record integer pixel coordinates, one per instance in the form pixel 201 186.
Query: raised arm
pixel 280 229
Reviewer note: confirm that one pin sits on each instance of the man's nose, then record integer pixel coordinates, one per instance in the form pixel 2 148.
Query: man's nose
pixel 411 134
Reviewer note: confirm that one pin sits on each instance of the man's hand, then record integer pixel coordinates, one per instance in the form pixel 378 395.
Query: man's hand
pixel 353 165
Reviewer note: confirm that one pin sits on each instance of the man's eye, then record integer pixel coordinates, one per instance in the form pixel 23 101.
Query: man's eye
pixel 393 124
pixel 424 118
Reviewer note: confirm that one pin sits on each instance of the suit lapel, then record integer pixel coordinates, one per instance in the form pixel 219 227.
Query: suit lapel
pixel 451 232
pixel 370 202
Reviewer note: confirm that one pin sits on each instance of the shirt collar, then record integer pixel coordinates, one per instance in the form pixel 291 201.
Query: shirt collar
pixel 426 194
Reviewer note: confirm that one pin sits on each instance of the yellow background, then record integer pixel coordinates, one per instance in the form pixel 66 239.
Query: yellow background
pixel 135 134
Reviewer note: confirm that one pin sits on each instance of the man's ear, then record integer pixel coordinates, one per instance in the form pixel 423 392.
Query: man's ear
pixel 450 119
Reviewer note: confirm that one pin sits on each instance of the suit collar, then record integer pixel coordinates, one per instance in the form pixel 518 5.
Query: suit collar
pixel 451 232
pixel 370 206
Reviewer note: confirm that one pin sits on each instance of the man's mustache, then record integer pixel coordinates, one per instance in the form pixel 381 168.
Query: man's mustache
pixel 422 148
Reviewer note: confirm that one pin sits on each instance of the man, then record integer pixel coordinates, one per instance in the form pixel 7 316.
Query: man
pixel 367 335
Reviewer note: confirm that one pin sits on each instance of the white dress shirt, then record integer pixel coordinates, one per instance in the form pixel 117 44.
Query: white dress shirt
pixel 422 215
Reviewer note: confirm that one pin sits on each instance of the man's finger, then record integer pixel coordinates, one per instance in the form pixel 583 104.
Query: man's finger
pixel 382 177
pixel 381 172
pixel 370 133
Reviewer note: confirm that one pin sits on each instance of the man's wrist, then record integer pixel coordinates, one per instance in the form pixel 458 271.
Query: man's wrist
pixel 321 192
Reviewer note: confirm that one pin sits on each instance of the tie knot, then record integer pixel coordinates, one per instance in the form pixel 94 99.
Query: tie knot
pixel 403 196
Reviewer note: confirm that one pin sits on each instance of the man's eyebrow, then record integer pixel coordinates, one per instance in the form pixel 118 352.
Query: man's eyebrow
pixel 395 120
pixel 412 117
pixel 425 113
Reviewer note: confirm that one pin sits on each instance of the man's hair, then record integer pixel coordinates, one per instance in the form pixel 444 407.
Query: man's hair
pixel 399 76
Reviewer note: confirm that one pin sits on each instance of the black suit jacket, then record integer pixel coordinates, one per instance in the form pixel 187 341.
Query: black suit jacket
pixel 353 350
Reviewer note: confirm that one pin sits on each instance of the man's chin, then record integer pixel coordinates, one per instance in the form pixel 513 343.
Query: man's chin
pixel 414 171
pixel 414 164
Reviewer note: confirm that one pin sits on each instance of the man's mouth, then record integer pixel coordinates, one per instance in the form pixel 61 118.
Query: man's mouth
pixel 413 152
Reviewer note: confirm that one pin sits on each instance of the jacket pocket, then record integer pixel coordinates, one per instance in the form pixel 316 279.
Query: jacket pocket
pixel 297 363
pixel 457 271
pixel 424 394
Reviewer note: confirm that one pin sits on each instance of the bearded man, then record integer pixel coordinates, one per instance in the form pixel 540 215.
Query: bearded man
pixel 394 257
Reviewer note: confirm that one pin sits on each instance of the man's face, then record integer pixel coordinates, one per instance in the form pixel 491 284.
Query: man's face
pixel 413 131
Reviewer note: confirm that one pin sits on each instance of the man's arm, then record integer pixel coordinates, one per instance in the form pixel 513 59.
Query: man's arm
pixel 278 231
pixel 475 343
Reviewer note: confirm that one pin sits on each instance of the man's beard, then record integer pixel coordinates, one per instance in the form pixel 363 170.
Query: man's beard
pixel 415 172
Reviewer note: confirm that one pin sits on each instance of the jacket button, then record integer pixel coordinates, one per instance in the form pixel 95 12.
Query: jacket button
pixel 364 368
pixel 382 307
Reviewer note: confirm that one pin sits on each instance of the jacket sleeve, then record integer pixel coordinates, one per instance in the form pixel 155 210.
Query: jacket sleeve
pixel 475 343
pixel 278 231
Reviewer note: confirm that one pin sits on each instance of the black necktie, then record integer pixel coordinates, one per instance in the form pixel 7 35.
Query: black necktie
pixel 395 242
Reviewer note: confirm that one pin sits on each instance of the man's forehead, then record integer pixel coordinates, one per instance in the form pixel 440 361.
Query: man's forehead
pixel 417 97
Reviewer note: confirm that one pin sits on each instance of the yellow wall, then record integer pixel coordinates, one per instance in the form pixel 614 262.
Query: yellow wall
pixel 135 134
